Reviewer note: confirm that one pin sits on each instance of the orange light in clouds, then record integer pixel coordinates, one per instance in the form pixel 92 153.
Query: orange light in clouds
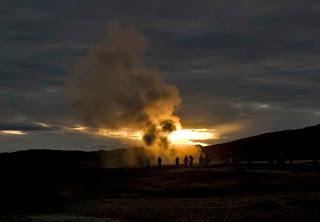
pixel 112 133
pixel 178 137
pixel 192 136
pixel 122 133
pixel 12 132
pixel 78 128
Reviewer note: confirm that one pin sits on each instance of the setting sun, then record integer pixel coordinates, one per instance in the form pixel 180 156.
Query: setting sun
pixel 178 137
pixel 192 136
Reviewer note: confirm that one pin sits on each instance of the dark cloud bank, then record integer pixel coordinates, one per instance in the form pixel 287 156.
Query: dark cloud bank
pixel 254 63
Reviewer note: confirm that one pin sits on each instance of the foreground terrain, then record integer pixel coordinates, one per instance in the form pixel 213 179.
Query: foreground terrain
pixel 74 193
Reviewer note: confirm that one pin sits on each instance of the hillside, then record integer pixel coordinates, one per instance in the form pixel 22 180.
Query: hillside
pixel 72 159
pixel 298 144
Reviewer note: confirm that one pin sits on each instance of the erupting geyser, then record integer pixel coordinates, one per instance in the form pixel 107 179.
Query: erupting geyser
pixel 112 90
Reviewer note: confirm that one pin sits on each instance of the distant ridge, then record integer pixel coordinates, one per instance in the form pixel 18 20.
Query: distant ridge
pixel 36 158
pixel 297 144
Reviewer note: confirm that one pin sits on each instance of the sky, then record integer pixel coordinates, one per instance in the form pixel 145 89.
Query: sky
pixel 243 67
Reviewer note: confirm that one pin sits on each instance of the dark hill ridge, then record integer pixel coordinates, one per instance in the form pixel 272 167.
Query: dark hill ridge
pixel 297 144
pixel 72 159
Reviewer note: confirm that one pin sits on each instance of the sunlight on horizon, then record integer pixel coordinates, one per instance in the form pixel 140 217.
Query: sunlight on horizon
pixel 179 137
pixel 12 132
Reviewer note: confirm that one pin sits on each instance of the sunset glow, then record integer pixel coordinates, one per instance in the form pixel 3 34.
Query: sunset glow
pixel 12 132
pixel 121 134
pixel 192 136
pixel 178 137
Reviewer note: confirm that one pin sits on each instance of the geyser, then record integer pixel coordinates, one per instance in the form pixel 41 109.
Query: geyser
pixel 113 89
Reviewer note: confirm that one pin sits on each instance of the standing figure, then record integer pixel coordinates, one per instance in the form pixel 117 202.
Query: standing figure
pixel 185 161
pixel 159 162
pixel 148 163
pixel 190 161
pixel 206 160
pixel 201 159
pixel 177 162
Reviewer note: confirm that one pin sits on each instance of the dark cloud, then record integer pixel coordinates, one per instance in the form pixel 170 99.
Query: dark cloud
pixel 254 62
pixel 25 127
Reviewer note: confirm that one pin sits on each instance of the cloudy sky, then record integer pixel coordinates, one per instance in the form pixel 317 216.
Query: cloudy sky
pixel 243 67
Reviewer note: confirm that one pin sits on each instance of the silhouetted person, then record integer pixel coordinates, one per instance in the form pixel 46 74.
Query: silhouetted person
pixel 206 160
pixel 201 159
pixel 159 162
pixel 231 158
pixel 185 161
pixel 177 162
pixel 190 161
pixel 148 163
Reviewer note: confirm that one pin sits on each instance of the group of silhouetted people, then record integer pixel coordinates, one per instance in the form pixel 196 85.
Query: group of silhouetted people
pixel 187 161
pixel 204 161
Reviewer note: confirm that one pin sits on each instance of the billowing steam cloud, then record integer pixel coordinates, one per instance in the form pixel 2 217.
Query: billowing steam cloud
pixel 113 89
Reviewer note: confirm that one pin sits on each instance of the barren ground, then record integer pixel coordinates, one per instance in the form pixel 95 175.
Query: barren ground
pixel 206 194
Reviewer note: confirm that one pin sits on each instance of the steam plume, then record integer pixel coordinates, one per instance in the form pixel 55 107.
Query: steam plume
pixel 113 89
